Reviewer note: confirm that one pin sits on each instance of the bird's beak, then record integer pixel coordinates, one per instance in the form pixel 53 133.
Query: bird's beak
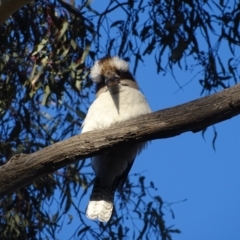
pixel 112 81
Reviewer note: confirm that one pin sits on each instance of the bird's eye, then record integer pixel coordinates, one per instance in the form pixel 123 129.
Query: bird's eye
pixel 118 72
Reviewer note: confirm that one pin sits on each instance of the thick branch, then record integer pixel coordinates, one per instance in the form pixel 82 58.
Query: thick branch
pixel 8 7
pixel 194 116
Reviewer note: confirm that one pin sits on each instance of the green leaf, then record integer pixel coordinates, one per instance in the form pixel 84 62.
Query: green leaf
pixel 83 230
pixel 41 45
pixel 73 44
pixel 55 217
pixel 145 32
pixel 119 22
pixel 80 113
pixel 46 95
pixel 15 131
pixel 17 219
pixel 64 28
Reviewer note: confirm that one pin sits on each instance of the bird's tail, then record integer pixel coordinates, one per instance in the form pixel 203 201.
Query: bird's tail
pixel 100 205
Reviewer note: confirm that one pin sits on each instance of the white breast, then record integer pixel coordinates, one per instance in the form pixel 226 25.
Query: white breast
pixel 108 109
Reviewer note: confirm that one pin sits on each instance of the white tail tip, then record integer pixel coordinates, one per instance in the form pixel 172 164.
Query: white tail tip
pixel 100 210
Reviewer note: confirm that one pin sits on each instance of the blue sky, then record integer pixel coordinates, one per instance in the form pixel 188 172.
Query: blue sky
pixel 187 167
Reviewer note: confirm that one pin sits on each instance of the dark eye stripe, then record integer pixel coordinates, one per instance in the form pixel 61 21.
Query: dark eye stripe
pixel 100 85
pixel 118 72
pixel 127 75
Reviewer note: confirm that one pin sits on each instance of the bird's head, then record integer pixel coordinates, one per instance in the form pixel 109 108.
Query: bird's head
pixel 110 73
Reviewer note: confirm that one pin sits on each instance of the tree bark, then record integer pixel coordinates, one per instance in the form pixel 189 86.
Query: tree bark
pixel 194 116
pixel 8 7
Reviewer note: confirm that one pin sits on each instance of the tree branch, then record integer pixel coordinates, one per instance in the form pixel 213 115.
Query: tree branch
pixel 194 116
pixel 8 7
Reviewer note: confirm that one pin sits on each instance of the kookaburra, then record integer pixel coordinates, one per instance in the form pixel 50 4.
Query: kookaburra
pixel 118 98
